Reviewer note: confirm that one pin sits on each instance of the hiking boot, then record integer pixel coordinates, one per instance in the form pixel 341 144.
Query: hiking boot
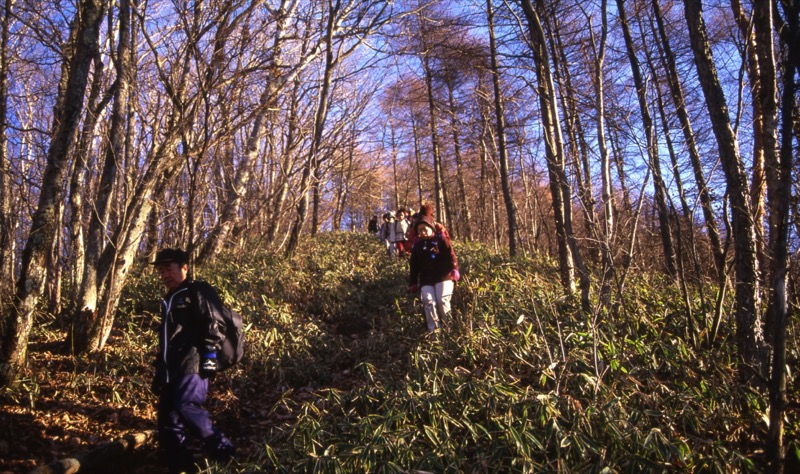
pixel 219 448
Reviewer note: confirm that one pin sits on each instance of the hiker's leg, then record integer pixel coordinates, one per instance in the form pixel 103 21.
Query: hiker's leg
pixel 171 430
pixel 444 291
pixel 190 395
pixel 428 297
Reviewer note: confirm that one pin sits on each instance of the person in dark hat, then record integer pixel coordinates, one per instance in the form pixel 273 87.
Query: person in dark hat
pixel 425 210
pixel 189 338
pixel 433 271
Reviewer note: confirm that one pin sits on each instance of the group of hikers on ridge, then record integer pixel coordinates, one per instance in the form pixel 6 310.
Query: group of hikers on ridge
pixel 433 265
pixel 193 338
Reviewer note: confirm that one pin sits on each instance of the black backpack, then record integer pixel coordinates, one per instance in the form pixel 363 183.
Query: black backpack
pixel 231 350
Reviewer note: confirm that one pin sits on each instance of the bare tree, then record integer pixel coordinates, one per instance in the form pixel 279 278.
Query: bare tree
pixel 19 320
pixel 748 330
pixel 6 219
pixel 499 111
pixel 780 196
pixel 679 102
pixel 569 253
pixel 652 149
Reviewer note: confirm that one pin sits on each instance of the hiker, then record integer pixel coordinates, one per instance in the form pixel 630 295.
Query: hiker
pixel 401 225
pixel 189 338
pixel 424 210
pixel 372 226
pixel 387 232
pixel 434 271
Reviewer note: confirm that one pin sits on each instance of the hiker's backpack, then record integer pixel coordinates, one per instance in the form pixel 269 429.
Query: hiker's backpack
pixel 231 350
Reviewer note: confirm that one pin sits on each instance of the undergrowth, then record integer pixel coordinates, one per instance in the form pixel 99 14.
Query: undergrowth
pixel 342 376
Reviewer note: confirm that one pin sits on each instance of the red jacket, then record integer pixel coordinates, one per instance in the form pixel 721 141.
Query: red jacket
pixel 432 260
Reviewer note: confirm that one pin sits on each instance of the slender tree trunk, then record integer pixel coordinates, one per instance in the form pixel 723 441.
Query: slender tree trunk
pixel 103 201
pixel 438 179
pixel 768 98
pixel 417 157
pixel 748 330
pixel 689 137
pixel 758 184
pixel 607 235
pixel 466 212
pixel 236 188
pixel 574 129
pixel 511 213
pixel 292 142
pixel 395 183
pixel 6 219
pixel 652 148
pixel 310 172
pixel 31 284
pixel 554 153
pixel 780 197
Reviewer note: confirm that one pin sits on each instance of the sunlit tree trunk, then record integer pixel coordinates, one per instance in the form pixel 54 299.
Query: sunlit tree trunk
pixel 466 212
pixel 102 208
pixel 6 219
pixel 748 332
pixel 607 235
pixel 417 157
pixel 569 253
pixel 438 179
pixel 508 198
pixel 287 165
pixel 20 316
pixel 758 185
pixel 578 153
pixel 652 148
pixel 310 168
pixel 780 197
pixel 679 102
pixel 78 175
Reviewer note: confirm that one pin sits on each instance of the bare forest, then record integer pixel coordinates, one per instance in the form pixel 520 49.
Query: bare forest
pixel 614 139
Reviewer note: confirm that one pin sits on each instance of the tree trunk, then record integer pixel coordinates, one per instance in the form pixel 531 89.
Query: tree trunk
pixel 310 170
pixel 691 145
pixel 101 210
pixel 758 184
pixel 466 212
pixel 569 255
pixel 780 196
pixel 652 146
pixel 511 213
pixel 30 286
pixel 607 235
pixel 6 219
pixel 748 341
pixel 438 179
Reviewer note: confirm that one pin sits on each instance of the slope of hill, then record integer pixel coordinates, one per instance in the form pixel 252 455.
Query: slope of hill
pixel 342 376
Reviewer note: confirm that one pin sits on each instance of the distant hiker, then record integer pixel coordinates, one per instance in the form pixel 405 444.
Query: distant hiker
pixel 401 226
pixel 189 338
pixel 372 227
pixel 434 271
pixel 387 232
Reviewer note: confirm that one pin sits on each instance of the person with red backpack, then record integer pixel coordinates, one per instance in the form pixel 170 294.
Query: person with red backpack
pixel 426 210
pixel 433 271
pixel 190 335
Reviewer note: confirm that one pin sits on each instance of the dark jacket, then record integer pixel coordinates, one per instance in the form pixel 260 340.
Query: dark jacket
pixel 432 260
pixel 191 318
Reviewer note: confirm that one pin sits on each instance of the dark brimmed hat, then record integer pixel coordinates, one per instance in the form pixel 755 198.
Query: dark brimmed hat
pixel 427 220
pixel 171 256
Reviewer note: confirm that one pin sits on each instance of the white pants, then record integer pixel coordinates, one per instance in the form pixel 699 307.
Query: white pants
pixel 436 303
